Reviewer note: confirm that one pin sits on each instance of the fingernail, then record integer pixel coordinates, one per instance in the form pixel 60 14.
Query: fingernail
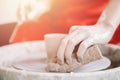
pixel 60 62
pixel 69 62
pixel 79 59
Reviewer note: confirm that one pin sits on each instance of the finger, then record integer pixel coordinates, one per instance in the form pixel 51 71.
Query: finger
pixel 79 37
pixel 68 52
pixel 83 47
pixel 62 48
pixel 71 45
pixel 60 53
pixel 73 28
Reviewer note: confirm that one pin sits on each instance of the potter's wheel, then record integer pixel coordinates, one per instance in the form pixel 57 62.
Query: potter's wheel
pixel 40 64
pixel 22 52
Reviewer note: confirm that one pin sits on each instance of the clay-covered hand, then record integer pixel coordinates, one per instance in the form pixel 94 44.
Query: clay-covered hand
pixel 32 9
pixel 100 33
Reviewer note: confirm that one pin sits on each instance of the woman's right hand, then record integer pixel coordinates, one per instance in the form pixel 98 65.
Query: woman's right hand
pixel 86 36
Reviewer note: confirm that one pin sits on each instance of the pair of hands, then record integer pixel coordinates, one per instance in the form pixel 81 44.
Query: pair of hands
pixel 86 36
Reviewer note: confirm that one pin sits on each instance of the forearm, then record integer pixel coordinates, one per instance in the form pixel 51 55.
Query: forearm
pixel 111 14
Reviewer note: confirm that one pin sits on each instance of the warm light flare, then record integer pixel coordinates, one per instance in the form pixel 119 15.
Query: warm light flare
pixel 32 9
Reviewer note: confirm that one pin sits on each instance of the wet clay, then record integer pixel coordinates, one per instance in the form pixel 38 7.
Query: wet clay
pixel 92 54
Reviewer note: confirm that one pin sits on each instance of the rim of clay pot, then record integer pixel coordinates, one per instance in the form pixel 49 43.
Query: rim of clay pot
pixel 54 34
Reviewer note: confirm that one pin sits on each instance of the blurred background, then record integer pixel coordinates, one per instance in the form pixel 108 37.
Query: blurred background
pixel 28 20
pixel 8 19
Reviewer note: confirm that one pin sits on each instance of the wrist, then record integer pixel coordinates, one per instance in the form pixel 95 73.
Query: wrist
pixel 106 24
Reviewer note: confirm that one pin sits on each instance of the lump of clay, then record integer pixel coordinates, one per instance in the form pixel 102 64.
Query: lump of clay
pixel 92 54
